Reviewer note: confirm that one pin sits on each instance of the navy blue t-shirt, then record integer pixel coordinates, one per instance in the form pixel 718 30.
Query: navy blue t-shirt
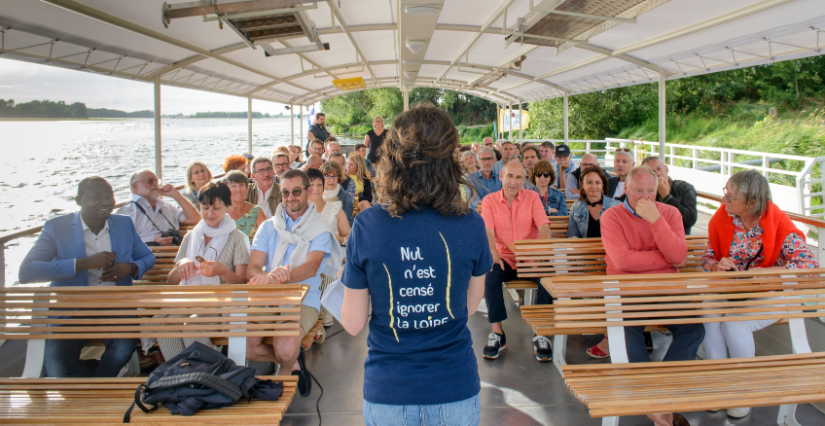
pixel 417 269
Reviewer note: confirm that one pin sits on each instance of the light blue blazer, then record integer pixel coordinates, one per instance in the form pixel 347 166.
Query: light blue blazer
pixel 61 242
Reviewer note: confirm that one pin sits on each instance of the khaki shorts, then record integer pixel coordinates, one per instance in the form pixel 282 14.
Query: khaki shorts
pixel 309 316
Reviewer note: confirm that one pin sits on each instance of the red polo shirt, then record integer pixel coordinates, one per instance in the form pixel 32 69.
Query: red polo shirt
pixel 510 223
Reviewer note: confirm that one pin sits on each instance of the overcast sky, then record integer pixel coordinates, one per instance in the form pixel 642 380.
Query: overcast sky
pixel 25 81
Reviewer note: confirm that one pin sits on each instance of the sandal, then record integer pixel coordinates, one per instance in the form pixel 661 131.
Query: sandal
pixel 320 335
pixel 597 353
pixel 679 420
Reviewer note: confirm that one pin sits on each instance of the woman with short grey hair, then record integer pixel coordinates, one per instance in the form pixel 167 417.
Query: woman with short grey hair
pixel 470 161
pixel 749 232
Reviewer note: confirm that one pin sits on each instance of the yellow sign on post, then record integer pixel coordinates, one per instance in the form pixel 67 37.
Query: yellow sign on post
pixel 504 123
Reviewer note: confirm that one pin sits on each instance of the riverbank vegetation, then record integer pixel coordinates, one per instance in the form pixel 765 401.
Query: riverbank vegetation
pixel 78 111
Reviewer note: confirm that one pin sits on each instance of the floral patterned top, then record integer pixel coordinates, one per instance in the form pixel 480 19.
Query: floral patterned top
pixel 248 223
pixel 747 244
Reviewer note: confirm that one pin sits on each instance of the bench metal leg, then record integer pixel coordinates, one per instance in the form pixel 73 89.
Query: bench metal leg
pixel 610 421
pixel 35 352
pixel 560 351
pixel 530 296
pixel 787 416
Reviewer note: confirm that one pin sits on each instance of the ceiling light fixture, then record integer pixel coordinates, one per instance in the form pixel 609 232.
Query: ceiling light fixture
pixel 420 10
pixel 415 46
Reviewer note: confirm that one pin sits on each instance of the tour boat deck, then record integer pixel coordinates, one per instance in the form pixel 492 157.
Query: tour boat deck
pixel 516 389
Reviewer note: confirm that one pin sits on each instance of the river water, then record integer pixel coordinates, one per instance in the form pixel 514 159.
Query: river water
pixel 42 161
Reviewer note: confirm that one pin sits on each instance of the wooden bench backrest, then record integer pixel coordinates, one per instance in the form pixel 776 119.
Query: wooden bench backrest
pixel 558 226
pixel 659 299
pixel 164 262
pixel 128 311
pixel 582 256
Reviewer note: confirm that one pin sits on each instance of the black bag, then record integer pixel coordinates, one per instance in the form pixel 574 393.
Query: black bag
pixel 201 378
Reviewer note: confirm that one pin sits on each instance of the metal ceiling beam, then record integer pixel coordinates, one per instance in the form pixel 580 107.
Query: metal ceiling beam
pixel 93 13
pixel 487 24
pixel 343 23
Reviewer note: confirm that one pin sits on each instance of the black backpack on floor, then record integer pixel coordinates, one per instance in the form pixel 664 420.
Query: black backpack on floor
pixel 201 378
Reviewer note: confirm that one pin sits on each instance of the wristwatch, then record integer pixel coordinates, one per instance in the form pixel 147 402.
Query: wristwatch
pixel 135 270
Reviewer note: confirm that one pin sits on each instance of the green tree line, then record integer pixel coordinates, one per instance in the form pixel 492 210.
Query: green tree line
pixel 59 109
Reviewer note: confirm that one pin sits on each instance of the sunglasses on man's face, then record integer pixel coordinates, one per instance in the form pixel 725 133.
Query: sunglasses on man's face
pixel 295 193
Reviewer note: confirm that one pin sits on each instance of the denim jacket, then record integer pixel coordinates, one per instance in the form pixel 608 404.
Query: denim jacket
pixel 555 199
pixel 579 216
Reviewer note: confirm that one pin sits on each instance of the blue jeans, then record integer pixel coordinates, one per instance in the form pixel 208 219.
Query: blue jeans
pixel 686 341
pixel 494 292
pixel 461 413
pixel 62 358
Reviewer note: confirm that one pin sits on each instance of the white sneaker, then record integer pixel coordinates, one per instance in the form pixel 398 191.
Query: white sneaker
pixel 328 320
pixel 738 413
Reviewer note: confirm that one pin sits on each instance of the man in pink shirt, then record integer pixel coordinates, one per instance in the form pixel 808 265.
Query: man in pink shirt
pixel 646 237
pixel 509 215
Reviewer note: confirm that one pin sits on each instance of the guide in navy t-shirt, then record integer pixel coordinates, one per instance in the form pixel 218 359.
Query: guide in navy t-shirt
pixel 417 269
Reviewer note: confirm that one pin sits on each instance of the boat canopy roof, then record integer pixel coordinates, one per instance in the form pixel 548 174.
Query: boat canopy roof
pixel 506 51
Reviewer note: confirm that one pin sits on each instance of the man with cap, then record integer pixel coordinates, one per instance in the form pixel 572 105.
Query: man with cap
pixel 563 165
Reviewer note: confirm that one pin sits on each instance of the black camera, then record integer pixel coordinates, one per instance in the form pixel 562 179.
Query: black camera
pixel 175 234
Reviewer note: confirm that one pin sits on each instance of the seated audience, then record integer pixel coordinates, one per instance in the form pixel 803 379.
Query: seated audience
pixel 293 247
pixel 412 369
pixel 280 162
pixel 622 164
pixel 332 147
pixel 295 161
pixel 316 147
pixel 530 156
pixel 332 212
pixel 156 221
pixel 573 178
pixel 281 148
pixel 313 162
pixel 236 162
pixel 552 199
pixel 361 150
pixel 334 173
pixel 89 248
pixel 357 172
pixel 509 215
pixel 223 248
pixel 646 237
pixel 264 191
pixel 247 216
pixel 563 167
pixel 586 212
pixel 469 161
pixel 749 232
pixel 484 180
pixel 197 175
pixel 677 193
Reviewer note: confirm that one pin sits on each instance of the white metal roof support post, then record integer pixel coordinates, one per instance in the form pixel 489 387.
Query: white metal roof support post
pixel 662 117
pixel 158 169
pixel 301 123
pixel 510 121
pixel 406 100
pixel 249 120
pixel 292 127
pixel 520 125
pixel 566 123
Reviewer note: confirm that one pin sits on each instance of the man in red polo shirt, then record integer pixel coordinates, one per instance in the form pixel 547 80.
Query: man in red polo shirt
pixel 509 215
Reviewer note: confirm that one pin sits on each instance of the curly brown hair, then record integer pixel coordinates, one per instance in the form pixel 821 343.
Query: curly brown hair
pixel 543 166
pixel 592 169
pixel 234 162
pixel 417 166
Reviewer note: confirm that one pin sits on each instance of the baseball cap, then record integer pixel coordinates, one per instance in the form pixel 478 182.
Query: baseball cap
pixel 562 149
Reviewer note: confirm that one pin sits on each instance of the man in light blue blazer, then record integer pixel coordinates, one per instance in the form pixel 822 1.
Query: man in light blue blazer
pixel 89 248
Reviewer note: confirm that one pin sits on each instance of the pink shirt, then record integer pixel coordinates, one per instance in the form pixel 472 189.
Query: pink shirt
pixel 520 221
pixel 634 246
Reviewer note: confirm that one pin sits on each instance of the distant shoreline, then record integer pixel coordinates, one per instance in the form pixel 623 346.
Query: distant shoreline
pixel 15 119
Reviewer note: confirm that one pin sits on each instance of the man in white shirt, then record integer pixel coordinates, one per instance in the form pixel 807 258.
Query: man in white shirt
pixel 508 150
pixel 622 164
pixel 153 216
pixel 264 191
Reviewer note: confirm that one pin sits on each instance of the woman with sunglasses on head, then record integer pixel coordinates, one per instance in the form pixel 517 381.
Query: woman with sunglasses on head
pixel 333 176
pixel 542 175
pixel 214 252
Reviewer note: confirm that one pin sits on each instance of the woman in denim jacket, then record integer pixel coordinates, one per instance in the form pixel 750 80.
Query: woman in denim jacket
pixel 552 199
pixel 584 222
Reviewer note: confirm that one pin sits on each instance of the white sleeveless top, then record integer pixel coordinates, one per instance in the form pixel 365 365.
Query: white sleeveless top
pixel 331 209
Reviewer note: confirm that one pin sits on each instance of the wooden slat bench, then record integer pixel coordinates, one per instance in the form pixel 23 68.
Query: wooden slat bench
pixel 574 256
pixel 558 229
pixel 621 389
pixel 94 313
pixel 164 262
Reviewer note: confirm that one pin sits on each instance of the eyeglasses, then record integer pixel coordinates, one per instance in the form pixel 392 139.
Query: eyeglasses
pixel 543 174
pixel 623 150
pixel 726 194
pixel 281 165
pixel 331 177
pixel 295 193
pixel 199 172
pixel 486 158
pixel 150 181
pixel 266 170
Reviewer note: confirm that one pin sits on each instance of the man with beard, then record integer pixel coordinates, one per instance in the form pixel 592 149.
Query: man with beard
pixel 154 217
pixel 89 248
